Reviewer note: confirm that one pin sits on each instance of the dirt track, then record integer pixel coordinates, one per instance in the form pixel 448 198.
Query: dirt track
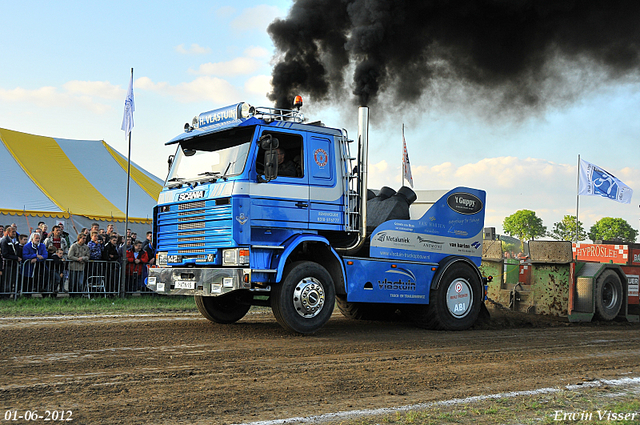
pixel 184 369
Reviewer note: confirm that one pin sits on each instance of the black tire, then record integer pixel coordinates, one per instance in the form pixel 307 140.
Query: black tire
pixel 609 295
pixel 445 312
pixel 223 309
pixel 366 311
pixel 304 300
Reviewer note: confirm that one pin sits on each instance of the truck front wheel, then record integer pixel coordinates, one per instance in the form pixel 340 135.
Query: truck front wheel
pixel 609 295
pixel 223 309
pixel 455 304
pixel 304 300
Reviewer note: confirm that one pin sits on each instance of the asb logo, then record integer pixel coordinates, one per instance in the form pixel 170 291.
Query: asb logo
pixel 321 157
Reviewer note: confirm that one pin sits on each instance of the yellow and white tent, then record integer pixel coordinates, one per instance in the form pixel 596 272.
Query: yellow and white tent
pixel 51 179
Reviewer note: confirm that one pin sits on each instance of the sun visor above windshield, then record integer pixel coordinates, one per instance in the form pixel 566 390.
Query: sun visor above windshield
pixel 197 132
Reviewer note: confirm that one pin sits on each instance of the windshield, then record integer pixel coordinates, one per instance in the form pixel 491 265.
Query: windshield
pixel 210 157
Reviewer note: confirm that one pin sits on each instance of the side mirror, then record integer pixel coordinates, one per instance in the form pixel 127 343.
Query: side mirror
pixel 270 164
pixel 269 144
pixel 170 161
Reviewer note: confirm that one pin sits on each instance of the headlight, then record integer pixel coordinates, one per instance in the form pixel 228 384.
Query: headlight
pixel 161 258
pixel 235 257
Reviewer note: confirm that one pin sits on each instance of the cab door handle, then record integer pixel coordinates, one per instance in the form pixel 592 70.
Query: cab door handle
pixel 302 204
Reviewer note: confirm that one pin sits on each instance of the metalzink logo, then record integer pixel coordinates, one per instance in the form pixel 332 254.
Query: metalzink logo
pixel 384 237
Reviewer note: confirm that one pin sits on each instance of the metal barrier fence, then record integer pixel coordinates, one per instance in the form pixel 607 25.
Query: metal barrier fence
pixel 49 277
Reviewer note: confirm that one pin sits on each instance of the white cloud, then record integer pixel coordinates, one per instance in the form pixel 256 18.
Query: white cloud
pixel 243 65
pixel 225 11
pixel 256 52
pixel 201 89
pixel 255 18
pixel 237 66
pixel 102 89
pixel 77 94
pixel 194 49
pixel 259 85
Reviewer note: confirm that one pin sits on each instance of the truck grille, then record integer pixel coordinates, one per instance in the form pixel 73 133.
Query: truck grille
pixel 191 205
pixel 189 229
pixel 187 226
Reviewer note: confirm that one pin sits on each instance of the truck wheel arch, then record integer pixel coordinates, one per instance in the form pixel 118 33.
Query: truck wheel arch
pixel 312 248
pixel 446 263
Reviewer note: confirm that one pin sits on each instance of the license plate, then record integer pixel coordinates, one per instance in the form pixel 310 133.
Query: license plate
pixel 180 284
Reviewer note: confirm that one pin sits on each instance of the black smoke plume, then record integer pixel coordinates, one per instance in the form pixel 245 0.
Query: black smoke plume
pixel 405 48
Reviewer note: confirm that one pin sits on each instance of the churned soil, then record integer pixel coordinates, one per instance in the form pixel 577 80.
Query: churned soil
pixel 167 369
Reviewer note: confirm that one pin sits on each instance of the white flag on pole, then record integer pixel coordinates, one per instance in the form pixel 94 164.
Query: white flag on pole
pixel 129 107
pixel 598 181
pixel 406 166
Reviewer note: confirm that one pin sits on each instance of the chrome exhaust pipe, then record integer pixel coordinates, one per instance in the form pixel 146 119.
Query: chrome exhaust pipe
pixel 363 173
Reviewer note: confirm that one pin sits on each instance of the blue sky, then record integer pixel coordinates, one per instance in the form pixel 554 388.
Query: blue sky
pixel 66 65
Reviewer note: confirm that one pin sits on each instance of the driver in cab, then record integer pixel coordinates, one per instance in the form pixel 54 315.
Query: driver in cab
pixel 286 167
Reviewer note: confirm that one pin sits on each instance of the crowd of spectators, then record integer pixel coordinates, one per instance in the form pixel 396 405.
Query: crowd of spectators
pixel 50 262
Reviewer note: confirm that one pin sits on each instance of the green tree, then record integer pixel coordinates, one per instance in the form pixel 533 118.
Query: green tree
pixel 525 225
pixel 613 229
pixel 565 230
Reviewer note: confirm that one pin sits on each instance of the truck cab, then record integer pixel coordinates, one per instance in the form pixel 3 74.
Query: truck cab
pixel 261 207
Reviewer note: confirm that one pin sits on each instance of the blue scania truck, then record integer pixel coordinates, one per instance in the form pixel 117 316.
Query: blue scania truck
pixel 262 207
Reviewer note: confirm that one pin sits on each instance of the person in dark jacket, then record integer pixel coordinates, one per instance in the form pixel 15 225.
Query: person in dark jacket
pixel 148 247
pixel 57 269
pixel 10 249
pixel 11 257
pixel 111 255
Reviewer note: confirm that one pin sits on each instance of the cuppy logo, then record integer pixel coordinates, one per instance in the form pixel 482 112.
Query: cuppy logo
pixel 464 203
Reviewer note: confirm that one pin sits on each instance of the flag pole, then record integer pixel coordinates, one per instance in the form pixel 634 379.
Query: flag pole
pixel 127 125
pixel 402 166
pixel 577 200
pixel 126 214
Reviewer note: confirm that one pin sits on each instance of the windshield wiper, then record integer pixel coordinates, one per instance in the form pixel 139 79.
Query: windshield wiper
pixel 224 175
pixel 178 180
pixel 207 176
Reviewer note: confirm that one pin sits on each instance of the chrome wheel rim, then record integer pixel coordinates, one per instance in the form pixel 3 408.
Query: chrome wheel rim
pixel 308 297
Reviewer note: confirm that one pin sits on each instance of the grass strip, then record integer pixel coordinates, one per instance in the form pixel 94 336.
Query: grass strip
pixel 619 405
pixel 26 306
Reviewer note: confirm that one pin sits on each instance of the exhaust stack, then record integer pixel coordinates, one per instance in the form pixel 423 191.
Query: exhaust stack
pixel 363 161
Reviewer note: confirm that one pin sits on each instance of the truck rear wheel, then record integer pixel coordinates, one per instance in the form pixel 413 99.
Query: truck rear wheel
pixel 304 300
pixel 609 295
pixel 223 309
pixel 455 304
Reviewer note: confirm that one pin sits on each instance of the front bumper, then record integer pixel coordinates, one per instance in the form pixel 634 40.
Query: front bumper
pixel 198 281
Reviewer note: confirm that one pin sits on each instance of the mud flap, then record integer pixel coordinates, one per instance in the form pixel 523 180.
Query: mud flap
pixel 484 316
